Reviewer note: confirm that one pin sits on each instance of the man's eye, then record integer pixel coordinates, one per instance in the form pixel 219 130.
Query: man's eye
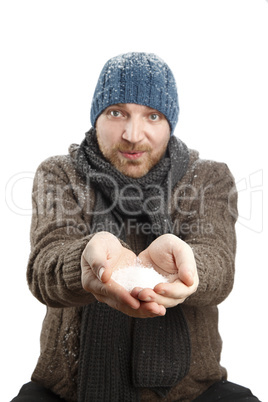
pixel 115 113
pixel 154 117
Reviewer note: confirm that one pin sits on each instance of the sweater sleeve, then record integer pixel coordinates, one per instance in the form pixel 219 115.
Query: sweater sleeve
pixel 209 210
pixel 59 234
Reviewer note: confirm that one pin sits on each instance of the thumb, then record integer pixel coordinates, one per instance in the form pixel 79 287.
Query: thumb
pixel 186 275
pixel 94 258
pixel 186 264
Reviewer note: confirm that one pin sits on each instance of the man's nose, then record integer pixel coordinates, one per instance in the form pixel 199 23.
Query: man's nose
pixel 134 130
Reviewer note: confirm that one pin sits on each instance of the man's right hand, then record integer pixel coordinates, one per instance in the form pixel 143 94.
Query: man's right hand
pixel 103 254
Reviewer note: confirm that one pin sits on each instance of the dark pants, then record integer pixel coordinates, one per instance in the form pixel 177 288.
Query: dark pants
pixel 32 392
pixel 225 391
pixel 222 391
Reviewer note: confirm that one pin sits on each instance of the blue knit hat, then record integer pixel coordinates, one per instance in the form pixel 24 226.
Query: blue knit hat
pixel 141 78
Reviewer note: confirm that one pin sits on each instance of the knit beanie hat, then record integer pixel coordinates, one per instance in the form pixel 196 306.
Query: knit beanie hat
pixel 141 78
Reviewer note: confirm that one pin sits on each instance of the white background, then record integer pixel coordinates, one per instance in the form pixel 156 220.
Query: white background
pixel 51 55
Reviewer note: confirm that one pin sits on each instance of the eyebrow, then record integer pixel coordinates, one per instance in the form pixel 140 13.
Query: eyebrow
pixel 124 105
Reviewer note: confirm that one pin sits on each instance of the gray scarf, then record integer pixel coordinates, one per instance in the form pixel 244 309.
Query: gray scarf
pixel 116 358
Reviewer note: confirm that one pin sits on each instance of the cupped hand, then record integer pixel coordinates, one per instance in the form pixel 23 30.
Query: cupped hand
pixel 103 254
pixel 173 258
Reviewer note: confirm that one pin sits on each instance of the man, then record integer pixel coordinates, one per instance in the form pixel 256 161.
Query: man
pixel 132 189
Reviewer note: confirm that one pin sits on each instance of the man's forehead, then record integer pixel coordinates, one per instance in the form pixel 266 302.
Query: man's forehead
pixel 133 106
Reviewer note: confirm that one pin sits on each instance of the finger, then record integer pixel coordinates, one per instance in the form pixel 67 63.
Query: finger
pixel 149 296
pixel 135 292
pixel 152 309
pixel 175 290
pixel 146 295
pixel 151 302
pixel 94 258
pixel 116 293
pixel 145 310
pixel 109 290
pixel 186 264
pixel 117 305
pixel 186 275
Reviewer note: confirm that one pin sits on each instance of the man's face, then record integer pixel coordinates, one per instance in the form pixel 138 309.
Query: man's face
pixel 132 137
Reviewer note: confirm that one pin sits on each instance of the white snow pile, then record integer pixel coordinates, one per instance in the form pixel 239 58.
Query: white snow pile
pixel 138 275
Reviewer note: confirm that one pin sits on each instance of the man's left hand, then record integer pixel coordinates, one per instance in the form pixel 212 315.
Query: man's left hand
pixel 171 257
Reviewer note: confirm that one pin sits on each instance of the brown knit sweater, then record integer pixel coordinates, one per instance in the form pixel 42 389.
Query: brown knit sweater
pixel 204 210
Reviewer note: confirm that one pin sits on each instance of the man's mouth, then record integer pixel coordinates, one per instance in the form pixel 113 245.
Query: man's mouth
pixel 132 155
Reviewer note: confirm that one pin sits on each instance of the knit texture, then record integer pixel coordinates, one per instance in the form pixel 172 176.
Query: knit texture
pixel 159 348
pixel 203 206
pixel 159 353
pixel 141 78
pixel 105 354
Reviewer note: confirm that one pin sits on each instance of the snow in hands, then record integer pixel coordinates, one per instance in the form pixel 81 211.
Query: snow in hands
pixel 138 275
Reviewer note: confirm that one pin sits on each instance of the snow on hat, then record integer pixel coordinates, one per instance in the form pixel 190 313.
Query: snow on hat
pixel 141 78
